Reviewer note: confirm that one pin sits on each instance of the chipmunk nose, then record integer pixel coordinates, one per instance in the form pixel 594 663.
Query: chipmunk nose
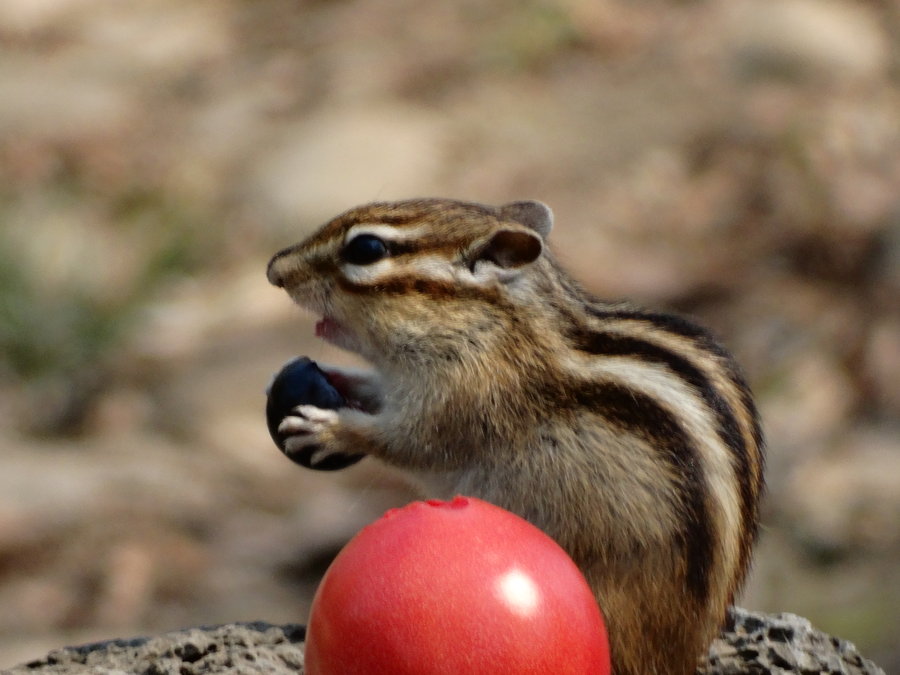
pixel 276 272
pixel 273 274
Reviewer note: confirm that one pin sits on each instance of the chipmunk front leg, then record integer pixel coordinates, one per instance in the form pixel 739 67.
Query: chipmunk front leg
pixel 362 389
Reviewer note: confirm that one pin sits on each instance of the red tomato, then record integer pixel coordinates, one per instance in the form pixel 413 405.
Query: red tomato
pixel 460 587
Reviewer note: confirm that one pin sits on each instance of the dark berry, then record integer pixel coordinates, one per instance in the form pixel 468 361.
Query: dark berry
pixel 302 382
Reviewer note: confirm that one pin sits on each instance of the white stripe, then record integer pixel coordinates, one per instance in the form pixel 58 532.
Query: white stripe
pixel 385 232
pixel 424 266
pixel 699 421
pixel 367 274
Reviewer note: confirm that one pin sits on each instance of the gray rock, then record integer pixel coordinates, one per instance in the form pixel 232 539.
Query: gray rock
pixel 237 648
pixel 752 643
pixel 781 643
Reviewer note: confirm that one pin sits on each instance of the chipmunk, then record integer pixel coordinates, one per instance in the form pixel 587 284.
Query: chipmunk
pixel 628 436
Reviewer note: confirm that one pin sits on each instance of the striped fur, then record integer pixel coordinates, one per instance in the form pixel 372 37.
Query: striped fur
pixel 627 435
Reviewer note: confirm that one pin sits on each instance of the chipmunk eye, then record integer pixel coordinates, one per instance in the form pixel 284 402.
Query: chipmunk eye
pixel 364 249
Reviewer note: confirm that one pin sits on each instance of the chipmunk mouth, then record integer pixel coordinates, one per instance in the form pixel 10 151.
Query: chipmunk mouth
pixel 331 330
pixel 328 329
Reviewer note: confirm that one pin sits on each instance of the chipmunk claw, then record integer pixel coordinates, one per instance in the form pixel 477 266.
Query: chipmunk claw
pixel 305 427
pixel 307 421
pixel 306 433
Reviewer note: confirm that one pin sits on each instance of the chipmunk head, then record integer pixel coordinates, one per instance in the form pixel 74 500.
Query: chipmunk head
pixel 414 279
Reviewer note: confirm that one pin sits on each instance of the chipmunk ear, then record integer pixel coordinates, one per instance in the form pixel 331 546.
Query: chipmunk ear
pixel 531 214
pixel 510 248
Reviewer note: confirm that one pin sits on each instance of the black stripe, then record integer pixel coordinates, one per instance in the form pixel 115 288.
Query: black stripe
pixel 752 485
pixel 671 323
pixel 411 284
pixel 727 426
pixel 450 248
pixel 402 248
pixel 610 344
pixel 642 416
pixel 396 218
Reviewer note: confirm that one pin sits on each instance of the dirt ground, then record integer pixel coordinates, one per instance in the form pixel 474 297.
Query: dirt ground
pixel 735 160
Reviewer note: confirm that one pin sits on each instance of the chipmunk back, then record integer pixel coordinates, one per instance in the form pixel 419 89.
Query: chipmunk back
pixel 627 435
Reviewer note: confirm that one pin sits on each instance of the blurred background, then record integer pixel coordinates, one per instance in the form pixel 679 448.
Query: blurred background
pixel 736 160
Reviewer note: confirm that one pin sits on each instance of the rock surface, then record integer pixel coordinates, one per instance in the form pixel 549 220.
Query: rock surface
pixel 239 648
pixel 752 643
